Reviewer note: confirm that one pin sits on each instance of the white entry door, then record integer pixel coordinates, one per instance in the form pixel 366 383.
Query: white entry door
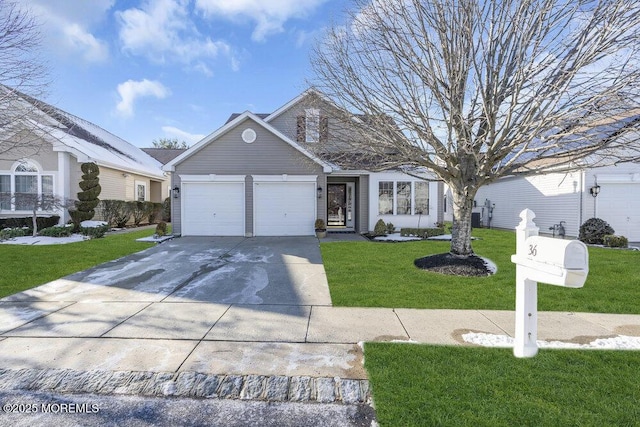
pixel 213 209
pixel 284 208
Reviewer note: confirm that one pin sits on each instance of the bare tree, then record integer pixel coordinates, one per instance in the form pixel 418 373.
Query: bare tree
pixel 474 90
pixel 23 80
pixel 169 143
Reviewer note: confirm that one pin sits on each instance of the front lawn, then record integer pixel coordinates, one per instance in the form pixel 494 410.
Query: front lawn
pixel 371 274
pixel 24 267
pixel 463 386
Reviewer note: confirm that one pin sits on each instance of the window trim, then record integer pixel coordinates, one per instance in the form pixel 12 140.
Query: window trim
pixel 136 186
pixel 36 170
pixel 394 196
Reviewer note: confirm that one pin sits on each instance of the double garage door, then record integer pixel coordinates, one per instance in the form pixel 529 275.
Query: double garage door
pixel 218 208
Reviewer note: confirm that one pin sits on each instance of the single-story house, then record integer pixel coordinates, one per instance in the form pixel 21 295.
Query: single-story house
pixel 610 192
pixel 260 175
pixel 65 142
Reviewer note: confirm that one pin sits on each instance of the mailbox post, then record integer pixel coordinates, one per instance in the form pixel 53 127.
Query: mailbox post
pixel 541 259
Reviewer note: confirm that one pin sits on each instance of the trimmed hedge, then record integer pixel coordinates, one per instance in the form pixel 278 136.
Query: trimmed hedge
pixel 56 231
pixel 42 222
pixel 421 232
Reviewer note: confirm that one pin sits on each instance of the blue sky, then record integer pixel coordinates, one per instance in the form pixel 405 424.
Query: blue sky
pixel 149 69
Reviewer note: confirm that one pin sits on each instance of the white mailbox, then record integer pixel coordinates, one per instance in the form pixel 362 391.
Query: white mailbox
pixel 554 261
pixel 546 260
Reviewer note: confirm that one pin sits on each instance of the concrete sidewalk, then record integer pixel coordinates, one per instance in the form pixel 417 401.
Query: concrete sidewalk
pixel 315 341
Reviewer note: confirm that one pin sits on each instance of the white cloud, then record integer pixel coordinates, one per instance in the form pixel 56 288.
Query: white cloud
pixel 269 16
pixel 189 138
pixel 163 31
pixel 92 49
pixel 130 90
pixel 66 26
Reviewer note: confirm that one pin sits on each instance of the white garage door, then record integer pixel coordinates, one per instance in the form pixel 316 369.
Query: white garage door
pixel 619 205
pixel 284 208
pixel 213 209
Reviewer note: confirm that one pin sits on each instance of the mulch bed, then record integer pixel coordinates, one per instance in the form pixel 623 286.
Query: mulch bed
pixel 454 265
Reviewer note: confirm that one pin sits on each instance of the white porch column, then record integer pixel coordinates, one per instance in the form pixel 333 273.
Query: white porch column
pixel 63 189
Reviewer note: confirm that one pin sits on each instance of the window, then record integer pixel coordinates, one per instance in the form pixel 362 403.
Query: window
pixel 385 198
pixel 421 198
pixel 26 192
pixel 141 192
pixel 5 192
pixel 403 198
pixel 26 188
pixel 312 125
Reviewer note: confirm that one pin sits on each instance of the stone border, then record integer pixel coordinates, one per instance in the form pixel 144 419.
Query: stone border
pixel 189 384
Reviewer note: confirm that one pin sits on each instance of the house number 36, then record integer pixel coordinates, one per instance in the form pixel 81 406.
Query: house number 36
pixel 533 250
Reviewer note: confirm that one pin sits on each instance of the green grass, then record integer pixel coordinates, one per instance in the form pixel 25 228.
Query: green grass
pixel 419 385
pixel 371 274
pixel 24 267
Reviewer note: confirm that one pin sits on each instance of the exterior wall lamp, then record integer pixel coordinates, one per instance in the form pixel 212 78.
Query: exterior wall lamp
pixel 595 190
pixel 319 192
pixel 176 192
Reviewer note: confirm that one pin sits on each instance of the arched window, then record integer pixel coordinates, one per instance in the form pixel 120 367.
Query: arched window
pixel 25 188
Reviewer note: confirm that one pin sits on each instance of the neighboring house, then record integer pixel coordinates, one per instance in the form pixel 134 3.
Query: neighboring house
pixel 611 193
pixel 259 175
pixel 126 172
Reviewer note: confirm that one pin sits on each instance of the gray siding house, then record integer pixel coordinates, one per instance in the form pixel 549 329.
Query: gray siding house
pixel 258 175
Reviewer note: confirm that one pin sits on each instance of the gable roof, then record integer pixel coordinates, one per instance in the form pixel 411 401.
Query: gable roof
pixel 89 142
pixel 164 155
pixel 232 124
pixel 233 116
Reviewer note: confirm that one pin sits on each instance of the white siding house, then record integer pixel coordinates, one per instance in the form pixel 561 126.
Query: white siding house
pixel 568 197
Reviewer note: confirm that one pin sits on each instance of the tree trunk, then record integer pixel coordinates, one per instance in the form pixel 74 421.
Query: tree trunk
pixel 34 220
pixel 461 231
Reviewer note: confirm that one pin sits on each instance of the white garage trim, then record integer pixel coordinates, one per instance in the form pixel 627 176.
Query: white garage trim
pixel 284 205
pixel 213 208
pixel 211 178
pixel 284 178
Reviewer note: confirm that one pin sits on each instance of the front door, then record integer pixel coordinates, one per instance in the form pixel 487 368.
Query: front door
pixel 340 205
pixel 336 205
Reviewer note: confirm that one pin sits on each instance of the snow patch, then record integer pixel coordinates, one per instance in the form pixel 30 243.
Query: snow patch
pixel 621 342
pixel 44 240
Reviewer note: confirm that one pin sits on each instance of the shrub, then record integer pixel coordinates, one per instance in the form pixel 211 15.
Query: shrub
pixel 422 232
pixel 123 215
pixel 390 228
pixel 87 198
pixel 161 229
pixel 319 224
pixel 154 212
pixel 593 230
pixel 10 233
pixel 380 229
pixel 138 211
pixel 94 232
pixel 110 210
pixel 57 231
pixel 166 210
pixel 42 222
pixel 614 241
